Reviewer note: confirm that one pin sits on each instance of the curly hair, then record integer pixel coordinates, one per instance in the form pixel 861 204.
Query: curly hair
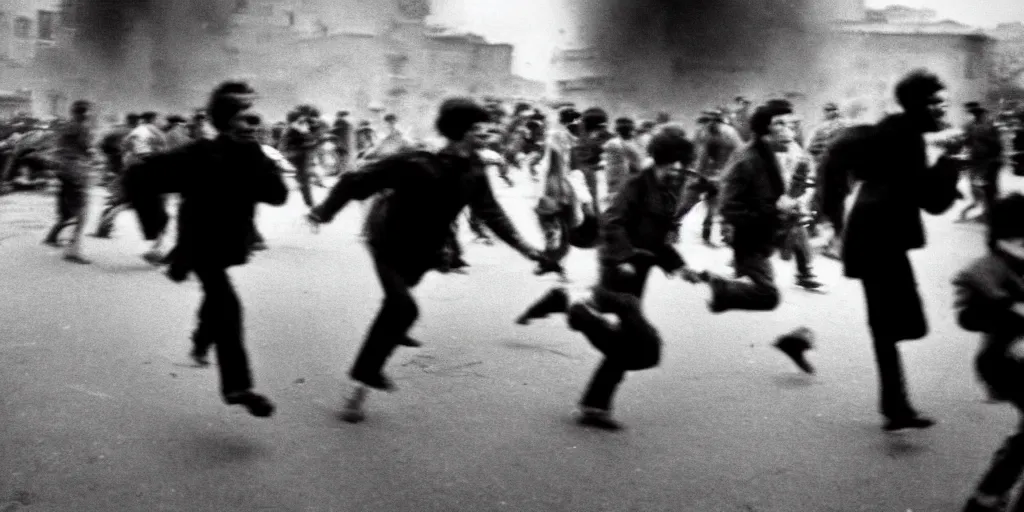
pixel 761 120
pixel 457 116
pixel 669 145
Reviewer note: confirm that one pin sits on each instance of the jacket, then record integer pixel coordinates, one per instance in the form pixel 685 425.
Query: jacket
pixel 220 182
pixel 423 193
pixel 896 184
pixel 985 291
pixel 640 218
pixel 751 187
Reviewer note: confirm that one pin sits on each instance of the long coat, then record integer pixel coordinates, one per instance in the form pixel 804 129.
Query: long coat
pixel 896 183
pixel 751 188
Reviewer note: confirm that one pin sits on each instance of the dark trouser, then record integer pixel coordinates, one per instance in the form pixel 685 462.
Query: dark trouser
pixel 590 177
pixel 303 163
pixel 397 314
pixel 72 210
pixel 695 189
pixel 895 314
pixel 116 203
pixel 798 242
pixel 1007 465
pixel 634 344
pixel 760 294
pixel 220 324
pixel 990 188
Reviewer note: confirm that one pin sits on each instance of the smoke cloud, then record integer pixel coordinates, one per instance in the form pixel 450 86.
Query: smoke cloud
pixel 687 55
pixel 143 53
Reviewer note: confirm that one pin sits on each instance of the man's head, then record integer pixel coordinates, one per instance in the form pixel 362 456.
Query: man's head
pixel 231 113
pixel 975 109
pixel 662 118
pixel 342 114
pixel 922 95
pixel 149 117
pixel 625 127
pixel 773 123
pixel 462 121
pixel 81 110
pixel 594 119
pixel 568 116
pixel 175 121
pixel 391 119
pixel 831 111
pixel 671 151
pixel 132 120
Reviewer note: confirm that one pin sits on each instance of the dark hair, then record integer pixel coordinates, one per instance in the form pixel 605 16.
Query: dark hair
pixel 131 118
pixel 593 118
pixel 227 100
pixel 914 89
pixel 624 126
pixel 342 113
pixel 669 145
pixel 391 118
pixel 80 107
pixel 1004 220
pixel 148 116
pixel 521 107
pixel 763 115
pixel 457 116
pixel 567 116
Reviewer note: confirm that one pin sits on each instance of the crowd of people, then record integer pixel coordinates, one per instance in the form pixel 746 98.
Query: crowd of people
pixel 767 188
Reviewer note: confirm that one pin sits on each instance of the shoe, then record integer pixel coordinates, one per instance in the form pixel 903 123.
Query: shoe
pixel 549 266
pixel 258 246
pixel 378 381
pixel 986 504
pixel 353 411
pixel 794 345
pixel 52 242
pixel 913 420
pixel 717 285
pixel 74 258
pixel 597 418
pixel 808 282
pixel 257 405
pixel 555 301
pixel 200 351
pixel 100 234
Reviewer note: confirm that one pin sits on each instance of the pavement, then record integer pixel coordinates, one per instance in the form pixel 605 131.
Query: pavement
pixel 100 410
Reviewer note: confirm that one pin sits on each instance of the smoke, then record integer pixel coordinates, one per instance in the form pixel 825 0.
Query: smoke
pixel 144 52
pixel 687 55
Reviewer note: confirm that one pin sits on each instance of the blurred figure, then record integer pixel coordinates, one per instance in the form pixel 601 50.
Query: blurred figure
pixel 985 154
pixel 716 143
pixel 113 146
pixel 622 156
pixel 74 153
pixel 342 131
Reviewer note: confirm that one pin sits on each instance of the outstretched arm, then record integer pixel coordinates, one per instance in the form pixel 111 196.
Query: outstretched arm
pixel 390 173
pixel 485 206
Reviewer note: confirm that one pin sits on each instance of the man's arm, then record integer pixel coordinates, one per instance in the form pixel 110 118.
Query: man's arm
pixel 487 208
pixel 393 172
pixel 938 191
pixel 269 181
pixel 732 198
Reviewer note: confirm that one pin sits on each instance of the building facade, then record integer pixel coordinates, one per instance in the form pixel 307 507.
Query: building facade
pixel 28 29
pixel 840 57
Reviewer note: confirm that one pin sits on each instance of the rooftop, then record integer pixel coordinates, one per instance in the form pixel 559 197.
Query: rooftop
pixel 945 27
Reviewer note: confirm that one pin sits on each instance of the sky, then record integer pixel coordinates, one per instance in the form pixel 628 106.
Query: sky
pixel 538 27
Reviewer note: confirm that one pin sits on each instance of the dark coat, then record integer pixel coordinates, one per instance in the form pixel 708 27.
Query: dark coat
pixel 423 194
pixel 839 157
pixel 220 182
pixel 751 188
pixel 985 292
pixel 896 184
pixel 640 218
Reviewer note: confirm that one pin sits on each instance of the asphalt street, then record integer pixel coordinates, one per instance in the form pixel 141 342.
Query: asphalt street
pixel 101 411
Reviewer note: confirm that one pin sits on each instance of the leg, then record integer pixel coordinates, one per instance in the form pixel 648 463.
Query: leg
pixel 221 320
pixel 302 163
pixel 711 203
pixel 1001 476
pixel 804 256
pixel 397 315
pixel 894 314
pixel 80 208
pixel 760 294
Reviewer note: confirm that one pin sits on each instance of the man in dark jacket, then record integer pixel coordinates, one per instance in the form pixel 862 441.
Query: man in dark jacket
pixel 633 239
pixel 755 205
pixel 220 182
pixel 896 183
pixel 985 150
pixel 409 226
pixel 73 148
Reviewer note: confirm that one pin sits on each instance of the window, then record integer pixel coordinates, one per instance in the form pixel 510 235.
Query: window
pixel 241 6
pixel 68 12
pixel 46 25
pixel 22 27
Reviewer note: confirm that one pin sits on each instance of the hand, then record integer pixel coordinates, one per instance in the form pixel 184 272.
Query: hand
pixel 1016 350
pixel 627 269
pixel 787 204
pixel 533 254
